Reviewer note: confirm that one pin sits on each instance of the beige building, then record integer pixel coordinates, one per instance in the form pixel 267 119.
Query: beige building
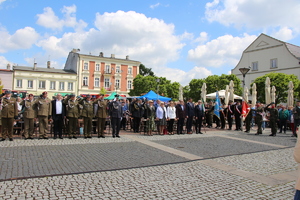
pixel 36 80
pixel 267 54
pixel 6 76
pixel 96 72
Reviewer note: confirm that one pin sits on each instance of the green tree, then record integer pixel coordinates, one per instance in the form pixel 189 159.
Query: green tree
pixel 195 86
pixel 144 71
pixel 280 81
pixel 215 82
pixel 103 90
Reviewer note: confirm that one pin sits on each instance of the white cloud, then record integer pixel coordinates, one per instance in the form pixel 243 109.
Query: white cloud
pixel 283 34
pixel 4 62
pixel 148 40
pixel 1 1
pixel 154 5
pixel 261 14
pixel 49 19
pixel 183 77
pixel 223 51
pixel 21 39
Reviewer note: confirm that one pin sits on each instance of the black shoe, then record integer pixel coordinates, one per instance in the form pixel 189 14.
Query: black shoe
pixel 89 136
pixel 53 138
pixel 26 138
pixel 102 136
pixel 10 139
pixel 70 137
pixel 114 136
pixel 30 138
pixel 74 137
pixel 272 134
pixel 45 138
pixel 118 136
pixel 85 137
pixel 2 140
pixel 247 131
pixel 257 133
pixel 200 133
pixel 61 138
pixel 98 136
pixel 294 135
pixel 280 132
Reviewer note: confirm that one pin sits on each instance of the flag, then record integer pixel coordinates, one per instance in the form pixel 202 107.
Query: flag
pixel 245 110
pixel 217 105
pixel 203 107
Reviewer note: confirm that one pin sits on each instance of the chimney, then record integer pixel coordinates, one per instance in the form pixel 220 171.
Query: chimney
pixel 8 66
pixel 101 54
pixel 48 64
pixel 127 57
pixel 34 66
pixel 112 55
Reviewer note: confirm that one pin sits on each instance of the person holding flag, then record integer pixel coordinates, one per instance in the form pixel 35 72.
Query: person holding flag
pixel 217 106
pixel 247 115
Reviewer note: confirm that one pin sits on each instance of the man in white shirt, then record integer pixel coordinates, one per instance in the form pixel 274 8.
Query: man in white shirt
pixel 58 116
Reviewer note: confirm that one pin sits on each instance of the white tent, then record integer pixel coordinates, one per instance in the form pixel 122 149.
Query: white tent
pixel 221 95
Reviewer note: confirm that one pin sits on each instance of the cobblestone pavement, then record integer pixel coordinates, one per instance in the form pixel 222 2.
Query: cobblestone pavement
pixel 234 166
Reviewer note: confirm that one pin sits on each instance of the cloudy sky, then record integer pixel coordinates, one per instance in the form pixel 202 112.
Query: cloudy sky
pixel 180 40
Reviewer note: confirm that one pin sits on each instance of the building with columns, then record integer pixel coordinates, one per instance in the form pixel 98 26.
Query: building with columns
pixel 265 55
pixel 97 72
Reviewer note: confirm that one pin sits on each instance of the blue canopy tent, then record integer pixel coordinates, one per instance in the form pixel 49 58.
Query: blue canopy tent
pixel 153 96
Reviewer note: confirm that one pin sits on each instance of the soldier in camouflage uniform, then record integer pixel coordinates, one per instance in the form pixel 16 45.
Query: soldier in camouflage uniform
pixel 72 113
pixel 259 117
pixel 273 118
pixel 44 108
pixel 9 112
pixel 87 114
pixel 101 114
pixel 29 116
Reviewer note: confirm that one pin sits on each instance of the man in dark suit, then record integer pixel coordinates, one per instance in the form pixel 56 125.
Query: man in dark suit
pixel 230 113
pixel 180 115
pixel 199 114
pixel 190 113
pixel 237 115
pixel 137 114
pixel 115 113
pixel 58 116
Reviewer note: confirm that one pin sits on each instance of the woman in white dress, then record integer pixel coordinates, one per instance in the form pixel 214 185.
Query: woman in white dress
pixel 171 116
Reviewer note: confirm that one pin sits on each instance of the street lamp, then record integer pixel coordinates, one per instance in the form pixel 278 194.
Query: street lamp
pixel 157 80
pixel 244 71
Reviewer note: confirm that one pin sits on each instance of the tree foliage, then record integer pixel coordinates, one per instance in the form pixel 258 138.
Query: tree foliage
pixel 144 71
pixel 143 84
pixel 281 82
pixel 213 83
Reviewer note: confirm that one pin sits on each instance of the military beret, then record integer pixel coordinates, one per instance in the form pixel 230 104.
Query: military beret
pixel 7 92
pixel 45 93
pixel 72 95
pixel 30 95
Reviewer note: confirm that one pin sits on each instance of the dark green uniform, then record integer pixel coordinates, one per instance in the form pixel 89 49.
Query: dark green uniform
pixel 273 120
pixel 72 108
pixel 8 113
pixel 29 114
pixel 44 107
pixel 210 115
pixel 87 114
pixel 259 119
pixel 101 115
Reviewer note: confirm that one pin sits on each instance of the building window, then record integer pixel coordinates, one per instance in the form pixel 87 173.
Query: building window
pixel 129 85
pixel 19 83
pixel 106 83
pixel 70 86
pixel 42 84
pixel 274 63
pixel 254 66
pixel 107 69
pixel 61 85
pixel 86 66
pixel 97 68
pixel 30 84
pixel 52 85
pixel 117 84
pixel 129 70
pixel 85 81
pixel 118 69
pixel 97 82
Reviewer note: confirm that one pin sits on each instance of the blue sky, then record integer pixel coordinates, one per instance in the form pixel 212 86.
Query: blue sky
pixel 180 40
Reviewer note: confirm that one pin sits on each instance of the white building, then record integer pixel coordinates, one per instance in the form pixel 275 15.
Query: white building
pixel 267 54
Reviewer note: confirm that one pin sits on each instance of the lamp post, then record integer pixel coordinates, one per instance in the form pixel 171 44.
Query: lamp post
pixel 244 71
pixel 157 80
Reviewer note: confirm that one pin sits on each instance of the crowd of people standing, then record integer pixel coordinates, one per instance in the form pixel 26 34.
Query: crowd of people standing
pixel 139 114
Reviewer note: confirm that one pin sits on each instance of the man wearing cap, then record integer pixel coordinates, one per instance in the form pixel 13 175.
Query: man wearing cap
pixel 115 112
pixel 296 115
pixel 101 114
pixel 44 107
pixel 273 118
pixel 87 114
pixel 29 116
pixel 72 113
pixel 9 112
